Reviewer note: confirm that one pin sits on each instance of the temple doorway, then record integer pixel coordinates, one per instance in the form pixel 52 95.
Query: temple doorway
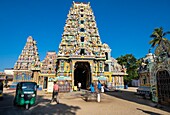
pixel 163 85
pixel 82 74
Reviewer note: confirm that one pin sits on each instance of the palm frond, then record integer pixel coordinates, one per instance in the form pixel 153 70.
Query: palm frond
pixel 164 39
pixel 158 31
pixel 153 44
pixel 153 36
pixel 168 32
pixel 161 28
pixel 158 38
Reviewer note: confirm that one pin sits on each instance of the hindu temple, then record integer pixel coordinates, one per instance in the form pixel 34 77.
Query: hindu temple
pixel 81 56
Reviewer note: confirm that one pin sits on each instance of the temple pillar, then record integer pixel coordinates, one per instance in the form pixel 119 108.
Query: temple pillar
pixel 73 64
pixel 35 76
pixel 109 64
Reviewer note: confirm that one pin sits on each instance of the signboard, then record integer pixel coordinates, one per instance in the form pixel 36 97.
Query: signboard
pixel 50 87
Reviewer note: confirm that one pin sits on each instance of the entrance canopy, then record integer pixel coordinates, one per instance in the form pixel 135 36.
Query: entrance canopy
pixel 60 78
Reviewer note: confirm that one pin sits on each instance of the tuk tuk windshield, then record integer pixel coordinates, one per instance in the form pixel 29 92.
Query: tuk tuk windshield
pixel 28 86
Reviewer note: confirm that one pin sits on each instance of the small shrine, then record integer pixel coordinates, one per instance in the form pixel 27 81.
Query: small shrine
pixel 154 75
pixel 145 76
pixel 160 74
pixel 48 70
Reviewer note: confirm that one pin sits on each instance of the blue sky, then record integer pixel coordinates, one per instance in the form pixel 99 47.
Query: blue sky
pixel 124 24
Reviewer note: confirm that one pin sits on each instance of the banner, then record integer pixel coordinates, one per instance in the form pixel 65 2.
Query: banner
pixel 50 87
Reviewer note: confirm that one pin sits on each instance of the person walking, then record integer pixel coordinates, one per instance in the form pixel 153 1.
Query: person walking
pixel 102 88
pixel 92 88
pixel 55 93
pixel 79 86
pixel 99 86
pixel 96 88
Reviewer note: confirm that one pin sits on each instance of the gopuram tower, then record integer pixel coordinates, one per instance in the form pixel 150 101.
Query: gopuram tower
pixel 82 57
pixel 27 67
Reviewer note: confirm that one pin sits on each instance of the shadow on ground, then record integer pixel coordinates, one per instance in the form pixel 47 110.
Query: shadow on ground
pixel 6 101
pixel 148 112
pixel 45 107
pixel 131 96
pixel 42 107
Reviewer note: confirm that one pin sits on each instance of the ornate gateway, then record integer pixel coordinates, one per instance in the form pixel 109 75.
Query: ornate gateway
pixel 160 76
pixel 160 81
pixel 82 57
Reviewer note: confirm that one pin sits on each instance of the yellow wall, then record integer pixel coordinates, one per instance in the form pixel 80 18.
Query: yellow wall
pixel 142 77
pixel 109 75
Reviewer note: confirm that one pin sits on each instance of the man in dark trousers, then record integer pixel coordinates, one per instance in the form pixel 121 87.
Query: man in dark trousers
pixel 55 93
pixel 79 85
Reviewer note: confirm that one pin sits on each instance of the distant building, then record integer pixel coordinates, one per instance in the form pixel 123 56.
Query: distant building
pixel 2 76
pixel 9 75
pixel 145 75
pixel 135 82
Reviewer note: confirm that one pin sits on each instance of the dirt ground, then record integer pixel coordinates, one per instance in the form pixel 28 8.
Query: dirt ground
pixel 123 102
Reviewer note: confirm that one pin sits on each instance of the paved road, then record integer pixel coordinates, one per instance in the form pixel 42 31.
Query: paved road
pixel 124 102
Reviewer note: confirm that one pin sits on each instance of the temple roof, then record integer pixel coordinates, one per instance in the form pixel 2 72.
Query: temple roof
pixel 81 36
pixel 29 57
pixel 48 65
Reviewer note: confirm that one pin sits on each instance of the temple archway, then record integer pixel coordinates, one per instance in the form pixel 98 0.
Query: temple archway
pixel 82 74
pixel 163 85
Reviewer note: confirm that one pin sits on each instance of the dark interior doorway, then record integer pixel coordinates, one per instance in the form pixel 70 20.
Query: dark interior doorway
pixel 163 85
pixel 82 74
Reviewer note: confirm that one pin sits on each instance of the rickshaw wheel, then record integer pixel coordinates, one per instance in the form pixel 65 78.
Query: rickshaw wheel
pixel 27 106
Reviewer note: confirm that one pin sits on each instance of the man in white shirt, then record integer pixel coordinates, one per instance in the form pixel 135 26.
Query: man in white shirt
pixel 79 86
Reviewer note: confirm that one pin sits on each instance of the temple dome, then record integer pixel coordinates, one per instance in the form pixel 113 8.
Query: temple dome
pixel 106 46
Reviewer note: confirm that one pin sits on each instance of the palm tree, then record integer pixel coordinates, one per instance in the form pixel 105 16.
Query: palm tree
pixel 159 39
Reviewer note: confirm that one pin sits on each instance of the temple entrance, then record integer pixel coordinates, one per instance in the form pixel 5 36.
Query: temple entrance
pixel 82 74
pixel 163 85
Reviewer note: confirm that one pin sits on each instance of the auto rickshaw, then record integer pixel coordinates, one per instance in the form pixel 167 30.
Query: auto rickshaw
pixel 1 89
pixel 26 93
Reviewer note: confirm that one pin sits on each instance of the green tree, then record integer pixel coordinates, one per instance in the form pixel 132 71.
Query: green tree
pixel 132 64
pixel 159 38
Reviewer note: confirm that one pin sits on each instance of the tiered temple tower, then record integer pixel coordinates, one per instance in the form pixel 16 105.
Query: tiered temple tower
pixel 28 64
pixel 48 69
pixel 82 57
